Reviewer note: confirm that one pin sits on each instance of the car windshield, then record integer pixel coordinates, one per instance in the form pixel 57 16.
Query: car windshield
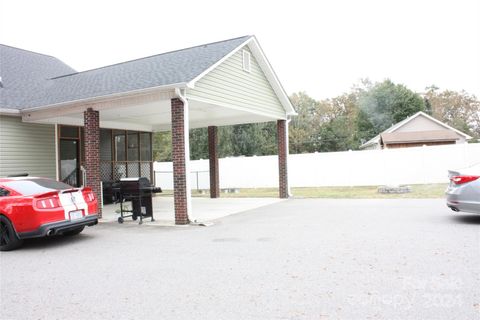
pixel 30 187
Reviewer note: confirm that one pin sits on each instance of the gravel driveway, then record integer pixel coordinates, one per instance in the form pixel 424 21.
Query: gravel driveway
pixel 298 259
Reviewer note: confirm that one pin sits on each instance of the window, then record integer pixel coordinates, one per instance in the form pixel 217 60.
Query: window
pixel 120 145
pixel 246 60
pixel 4 192
pixel 35 186
pixel 105 144
pixel 68 132
pixel 132 152
pixel 71 153
pixel 145 147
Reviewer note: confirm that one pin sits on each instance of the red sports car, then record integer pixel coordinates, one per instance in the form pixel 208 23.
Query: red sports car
pixel 33 207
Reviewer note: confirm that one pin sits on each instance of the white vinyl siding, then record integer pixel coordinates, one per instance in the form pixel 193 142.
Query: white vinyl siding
pixel 26 148
pixel 246 60
pixel 229 85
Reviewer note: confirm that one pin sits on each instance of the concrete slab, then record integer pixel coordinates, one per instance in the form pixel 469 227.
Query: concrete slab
pixel 204 210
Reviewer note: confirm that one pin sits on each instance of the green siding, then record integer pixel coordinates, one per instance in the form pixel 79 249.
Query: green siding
pixel 26 147
pixel 229 84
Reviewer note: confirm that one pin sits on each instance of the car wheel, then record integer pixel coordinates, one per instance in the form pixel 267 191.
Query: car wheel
pixel 74 232
pixel 8 237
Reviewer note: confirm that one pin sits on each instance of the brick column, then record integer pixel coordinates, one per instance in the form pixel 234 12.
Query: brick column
pixel 91 119
pixel 213 160
pixel 282 140
pixel 180 157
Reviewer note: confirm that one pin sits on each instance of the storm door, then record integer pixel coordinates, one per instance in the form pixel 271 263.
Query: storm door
pixel 69 155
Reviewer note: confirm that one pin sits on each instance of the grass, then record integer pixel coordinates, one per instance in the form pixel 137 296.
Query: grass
pixel 419 191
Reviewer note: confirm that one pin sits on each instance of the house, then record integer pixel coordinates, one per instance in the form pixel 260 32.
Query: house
pixel 57 122
pixel 417 130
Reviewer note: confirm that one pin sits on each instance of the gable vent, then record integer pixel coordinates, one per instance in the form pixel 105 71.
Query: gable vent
pixel 246 60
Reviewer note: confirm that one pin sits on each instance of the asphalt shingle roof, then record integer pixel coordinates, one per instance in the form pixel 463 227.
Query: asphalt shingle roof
pixel 32 79
pixel 24 75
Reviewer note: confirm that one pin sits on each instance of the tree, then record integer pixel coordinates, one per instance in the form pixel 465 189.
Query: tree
pixel 364 128
pixel 245 139
pixel 254 139
pixel 460 110
pixel 198 143
pixel 225 145
pixel 162 146
pixel 387 103
pixel 303 130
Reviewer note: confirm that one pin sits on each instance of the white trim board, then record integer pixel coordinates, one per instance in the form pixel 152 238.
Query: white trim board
pixel 10 112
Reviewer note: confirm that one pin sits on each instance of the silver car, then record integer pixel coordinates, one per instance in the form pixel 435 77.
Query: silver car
pixel 463 193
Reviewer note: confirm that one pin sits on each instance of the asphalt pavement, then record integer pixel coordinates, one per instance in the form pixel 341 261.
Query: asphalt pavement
pixel 297 259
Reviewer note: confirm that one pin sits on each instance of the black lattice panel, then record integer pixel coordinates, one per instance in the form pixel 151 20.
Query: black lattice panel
pixel 145 170
pixel 106 171
pixel 120 171
pixel 133 170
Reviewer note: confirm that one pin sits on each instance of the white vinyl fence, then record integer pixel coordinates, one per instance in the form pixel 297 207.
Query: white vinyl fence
pixel 349 168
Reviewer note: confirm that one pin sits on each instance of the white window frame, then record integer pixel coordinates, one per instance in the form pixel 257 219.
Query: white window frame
pixel 246 61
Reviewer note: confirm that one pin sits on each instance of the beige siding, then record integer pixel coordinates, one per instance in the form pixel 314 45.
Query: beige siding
pixel 26 147
pixel 230 85
pixel 421 123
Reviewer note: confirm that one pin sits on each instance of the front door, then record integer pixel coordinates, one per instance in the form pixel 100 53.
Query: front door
pixel 69 162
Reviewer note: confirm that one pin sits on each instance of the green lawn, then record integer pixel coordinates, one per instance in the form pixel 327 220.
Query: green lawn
pixel 369 192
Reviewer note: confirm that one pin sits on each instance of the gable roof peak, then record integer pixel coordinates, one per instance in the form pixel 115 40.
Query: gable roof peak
pixel 429 117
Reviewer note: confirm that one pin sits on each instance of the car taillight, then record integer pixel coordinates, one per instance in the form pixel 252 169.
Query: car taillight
pixel 463 179
pixel 89 196
pixel 48 203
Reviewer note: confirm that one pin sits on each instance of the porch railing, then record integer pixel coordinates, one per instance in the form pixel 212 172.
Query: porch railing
pixel 71 179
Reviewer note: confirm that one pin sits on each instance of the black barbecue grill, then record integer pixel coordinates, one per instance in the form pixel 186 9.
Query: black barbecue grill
pixel 139 192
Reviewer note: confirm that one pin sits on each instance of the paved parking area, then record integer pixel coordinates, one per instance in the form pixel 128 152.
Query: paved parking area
pixel 297 259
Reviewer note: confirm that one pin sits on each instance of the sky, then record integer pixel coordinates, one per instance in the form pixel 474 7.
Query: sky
pixel 320 47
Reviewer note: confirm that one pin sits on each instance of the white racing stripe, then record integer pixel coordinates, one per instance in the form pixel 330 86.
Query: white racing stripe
pixel 80 202
pixel 72 201
pixel 67 204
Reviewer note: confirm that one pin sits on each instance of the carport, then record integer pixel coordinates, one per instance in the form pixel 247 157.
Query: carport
pixel 223 83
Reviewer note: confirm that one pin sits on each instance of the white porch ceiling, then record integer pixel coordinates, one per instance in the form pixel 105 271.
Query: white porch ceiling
pixel 148 115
